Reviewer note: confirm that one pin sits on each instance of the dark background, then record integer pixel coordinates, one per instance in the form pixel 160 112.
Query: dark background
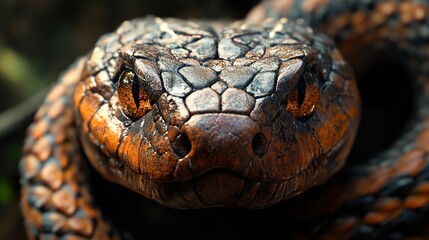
pixel 39 39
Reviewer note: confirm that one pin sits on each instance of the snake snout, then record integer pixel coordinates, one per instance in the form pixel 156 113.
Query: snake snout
pixel 219 141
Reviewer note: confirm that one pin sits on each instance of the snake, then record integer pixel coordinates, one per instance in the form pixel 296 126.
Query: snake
pixel 248 114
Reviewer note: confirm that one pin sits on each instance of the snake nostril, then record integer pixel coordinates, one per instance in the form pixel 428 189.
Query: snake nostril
pixel 259 144
pixel 182 145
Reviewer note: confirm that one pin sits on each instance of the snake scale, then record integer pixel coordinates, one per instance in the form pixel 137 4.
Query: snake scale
pixel 199 114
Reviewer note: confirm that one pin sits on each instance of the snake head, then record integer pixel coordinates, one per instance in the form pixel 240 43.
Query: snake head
pixel 195 115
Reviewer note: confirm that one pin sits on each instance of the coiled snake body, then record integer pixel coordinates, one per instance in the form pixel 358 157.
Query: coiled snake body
pixel 245 114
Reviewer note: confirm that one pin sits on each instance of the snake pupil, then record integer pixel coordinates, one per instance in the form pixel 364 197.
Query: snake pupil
pixel 301 90
pixel 136 91
pixel 133 98
pixel 304 97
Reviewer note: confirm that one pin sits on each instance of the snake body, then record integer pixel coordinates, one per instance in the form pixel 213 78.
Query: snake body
pixel 197 114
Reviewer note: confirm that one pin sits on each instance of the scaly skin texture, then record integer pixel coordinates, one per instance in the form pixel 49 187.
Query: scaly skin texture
pixel 55 199
pixel 199 114
pixel 390 191
pixel 219 106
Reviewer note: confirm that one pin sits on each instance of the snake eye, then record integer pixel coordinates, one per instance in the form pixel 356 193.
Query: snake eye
pixel 133 98
pixel 304 96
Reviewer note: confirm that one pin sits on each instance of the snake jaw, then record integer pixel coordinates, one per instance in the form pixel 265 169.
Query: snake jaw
pixel 218 114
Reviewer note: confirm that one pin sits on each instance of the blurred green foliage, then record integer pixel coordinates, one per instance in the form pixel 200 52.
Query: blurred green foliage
pixel 19 72
pixel 6 192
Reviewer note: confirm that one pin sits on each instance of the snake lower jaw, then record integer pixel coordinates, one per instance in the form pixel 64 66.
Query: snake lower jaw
pixel 218 188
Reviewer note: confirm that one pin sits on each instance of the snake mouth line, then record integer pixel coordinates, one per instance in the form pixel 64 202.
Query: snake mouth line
pixel 121 165
pixel 216 188
pixel 124 165
pixel 223 188
pixel 219 187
